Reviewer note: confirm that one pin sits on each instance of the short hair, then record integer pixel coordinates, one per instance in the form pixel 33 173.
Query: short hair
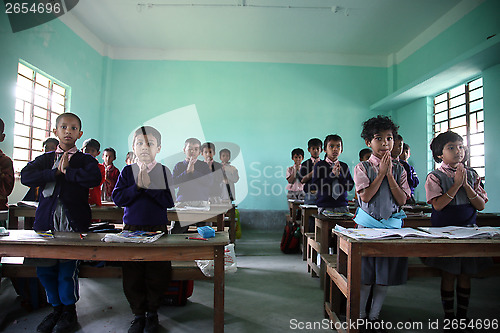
pixel 192 141
pixel 50 140
pixel 438 143
pixel 111 150
pixel 364 151
pixel 225 150
pixel 92 143
pixel 406 146
pixel 68 114
pixel 298 151
pixel 376 125
pixel 2 125
pixel 314 142
pixel 208 145
pixel 148 130
pixel 333 137
pixel 398 137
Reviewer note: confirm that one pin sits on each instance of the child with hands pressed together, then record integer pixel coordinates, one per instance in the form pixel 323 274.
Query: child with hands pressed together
pixel 230 176
pixel 64 177
pixel 294 186
pixel 382 188
pixel 455 195
pixel 143 188
pixel 314 147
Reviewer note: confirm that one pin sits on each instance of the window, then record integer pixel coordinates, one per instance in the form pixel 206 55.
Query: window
pixel 39 100
pixel 461 110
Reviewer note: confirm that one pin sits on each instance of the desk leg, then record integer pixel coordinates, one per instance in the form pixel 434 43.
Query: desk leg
pixel 232 225
pixel 305 229
pixel 13 221
pixel 219 289
pixel 353 284
pixel 323 248
pixel 220 222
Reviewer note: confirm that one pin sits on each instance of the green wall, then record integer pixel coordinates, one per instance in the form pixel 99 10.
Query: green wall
pixel 266 109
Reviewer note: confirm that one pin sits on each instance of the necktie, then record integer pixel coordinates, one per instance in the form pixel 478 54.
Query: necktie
pixel 49 188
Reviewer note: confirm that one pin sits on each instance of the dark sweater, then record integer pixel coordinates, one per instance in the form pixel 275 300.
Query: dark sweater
pixel 306 167
pixel 144 206
pixel 323 178
pixel 193 186
pixel 72 189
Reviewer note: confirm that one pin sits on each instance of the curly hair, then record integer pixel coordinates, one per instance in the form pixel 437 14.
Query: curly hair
pixel 376 125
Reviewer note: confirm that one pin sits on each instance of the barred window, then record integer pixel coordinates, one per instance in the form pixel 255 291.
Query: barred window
pixel 461 110
pixel 39 100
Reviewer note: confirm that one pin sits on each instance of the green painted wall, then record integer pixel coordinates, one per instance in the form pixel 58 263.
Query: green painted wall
pixel 472 30
pixel 266 109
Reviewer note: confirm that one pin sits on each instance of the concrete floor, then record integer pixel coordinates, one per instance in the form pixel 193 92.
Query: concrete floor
pixel 270 292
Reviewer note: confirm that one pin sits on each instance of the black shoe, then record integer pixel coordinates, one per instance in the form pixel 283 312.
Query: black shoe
pixel 152 323
pixel 50 321
pixel 137 325
pixel 68 322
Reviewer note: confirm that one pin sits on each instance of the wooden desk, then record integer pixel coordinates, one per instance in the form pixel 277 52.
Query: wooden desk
pixel 68 245
pixel 307 211
pixel 113 213
pixel 347 275
pixel 293 205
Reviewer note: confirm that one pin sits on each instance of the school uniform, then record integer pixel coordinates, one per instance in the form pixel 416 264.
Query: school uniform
pixel 382 211
pixel 192 186
pixel 145 283
pixel 215 189
pixel 310 188
pixel 110 179
pixel 459 212
pixel 413 180
pixel 6 180
pixel 230 176
pixel 63 206
pixel 95 192
pixel 295 190
pixel 332 190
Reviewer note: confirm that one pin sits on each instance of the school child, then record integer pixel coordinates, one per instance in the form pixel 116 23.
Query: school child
pixel 295 187
pixel 130 158
pixel 64 177
pixel 397 149
pixel 111 174
pixel 6 173
pixel 314 147
pixel 382 189
pixel 332 178
pixel 413 180
pixel 143 188
pixel 230 176
pixel 93 147
pixel 455 195
pixel 215 190
pixel 364 154
pixel 192 177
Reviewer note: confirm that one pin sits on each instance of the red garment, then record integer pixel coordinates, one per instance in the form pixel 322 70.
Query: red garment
pixel 95 192
pixel 6 179
pixel 110 180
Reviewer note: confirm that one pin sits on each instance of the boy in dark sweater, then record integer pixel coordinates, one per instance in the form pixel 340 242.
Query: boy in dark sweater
pixel 64 177
pixel 143 188
pixel 215 188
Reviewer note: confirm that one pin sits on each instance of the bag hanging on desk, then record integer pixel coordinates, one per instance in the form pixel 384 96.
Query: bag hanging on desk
pixel 290 242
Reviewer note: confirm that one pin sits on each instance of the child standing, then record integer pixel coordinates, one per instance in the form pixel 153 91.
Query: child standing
pixel 294 186
pixel 143 188
pixel 6 173
pixel 93 148
pixel 64 177
pixel 111 174
pixel 208 152
pixel 382 189
pixel 413 180
pixel 456 196
pixel 230 176
pixel 314 147
pixel 332 178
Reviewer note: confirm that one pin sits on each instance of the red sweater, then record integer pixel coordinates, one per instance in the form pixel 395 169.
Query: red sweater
pixel 95 192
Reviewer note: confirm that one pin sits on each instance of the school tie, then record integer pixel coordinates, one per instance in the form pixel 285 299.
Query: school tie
pixel 49 188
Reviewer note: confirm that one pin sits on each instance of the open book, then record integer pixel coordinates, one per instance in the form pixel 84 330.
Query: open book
pixel 374 233
pixel 27 204
pixel 463 232
pixel 133 237
pixel 330 213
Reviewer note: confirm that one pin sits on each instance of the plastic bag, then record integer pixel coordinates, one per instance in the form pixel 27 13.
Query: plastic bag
pixel 230 266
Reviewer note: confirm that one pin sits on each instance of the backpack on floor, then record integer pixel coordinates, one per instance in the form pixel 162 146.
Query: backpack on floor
pixel 178 292
pixel 290 242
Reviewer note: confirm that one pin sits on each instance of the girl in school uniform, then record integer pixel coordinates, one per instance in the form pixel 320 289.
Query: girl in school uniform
pixel 382 188
pixel 456 195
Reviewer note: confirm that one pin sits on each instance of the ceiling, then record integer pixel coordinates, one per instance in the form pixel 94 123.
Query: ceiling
pixel 362 32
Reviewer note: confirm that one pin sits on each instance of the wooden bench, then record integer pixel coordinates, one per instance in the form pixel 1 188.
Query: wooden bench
pixel 313 249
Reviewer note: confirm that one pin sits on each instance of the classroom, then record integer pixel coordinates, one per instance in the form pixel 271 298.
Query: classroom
pixel 259 78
